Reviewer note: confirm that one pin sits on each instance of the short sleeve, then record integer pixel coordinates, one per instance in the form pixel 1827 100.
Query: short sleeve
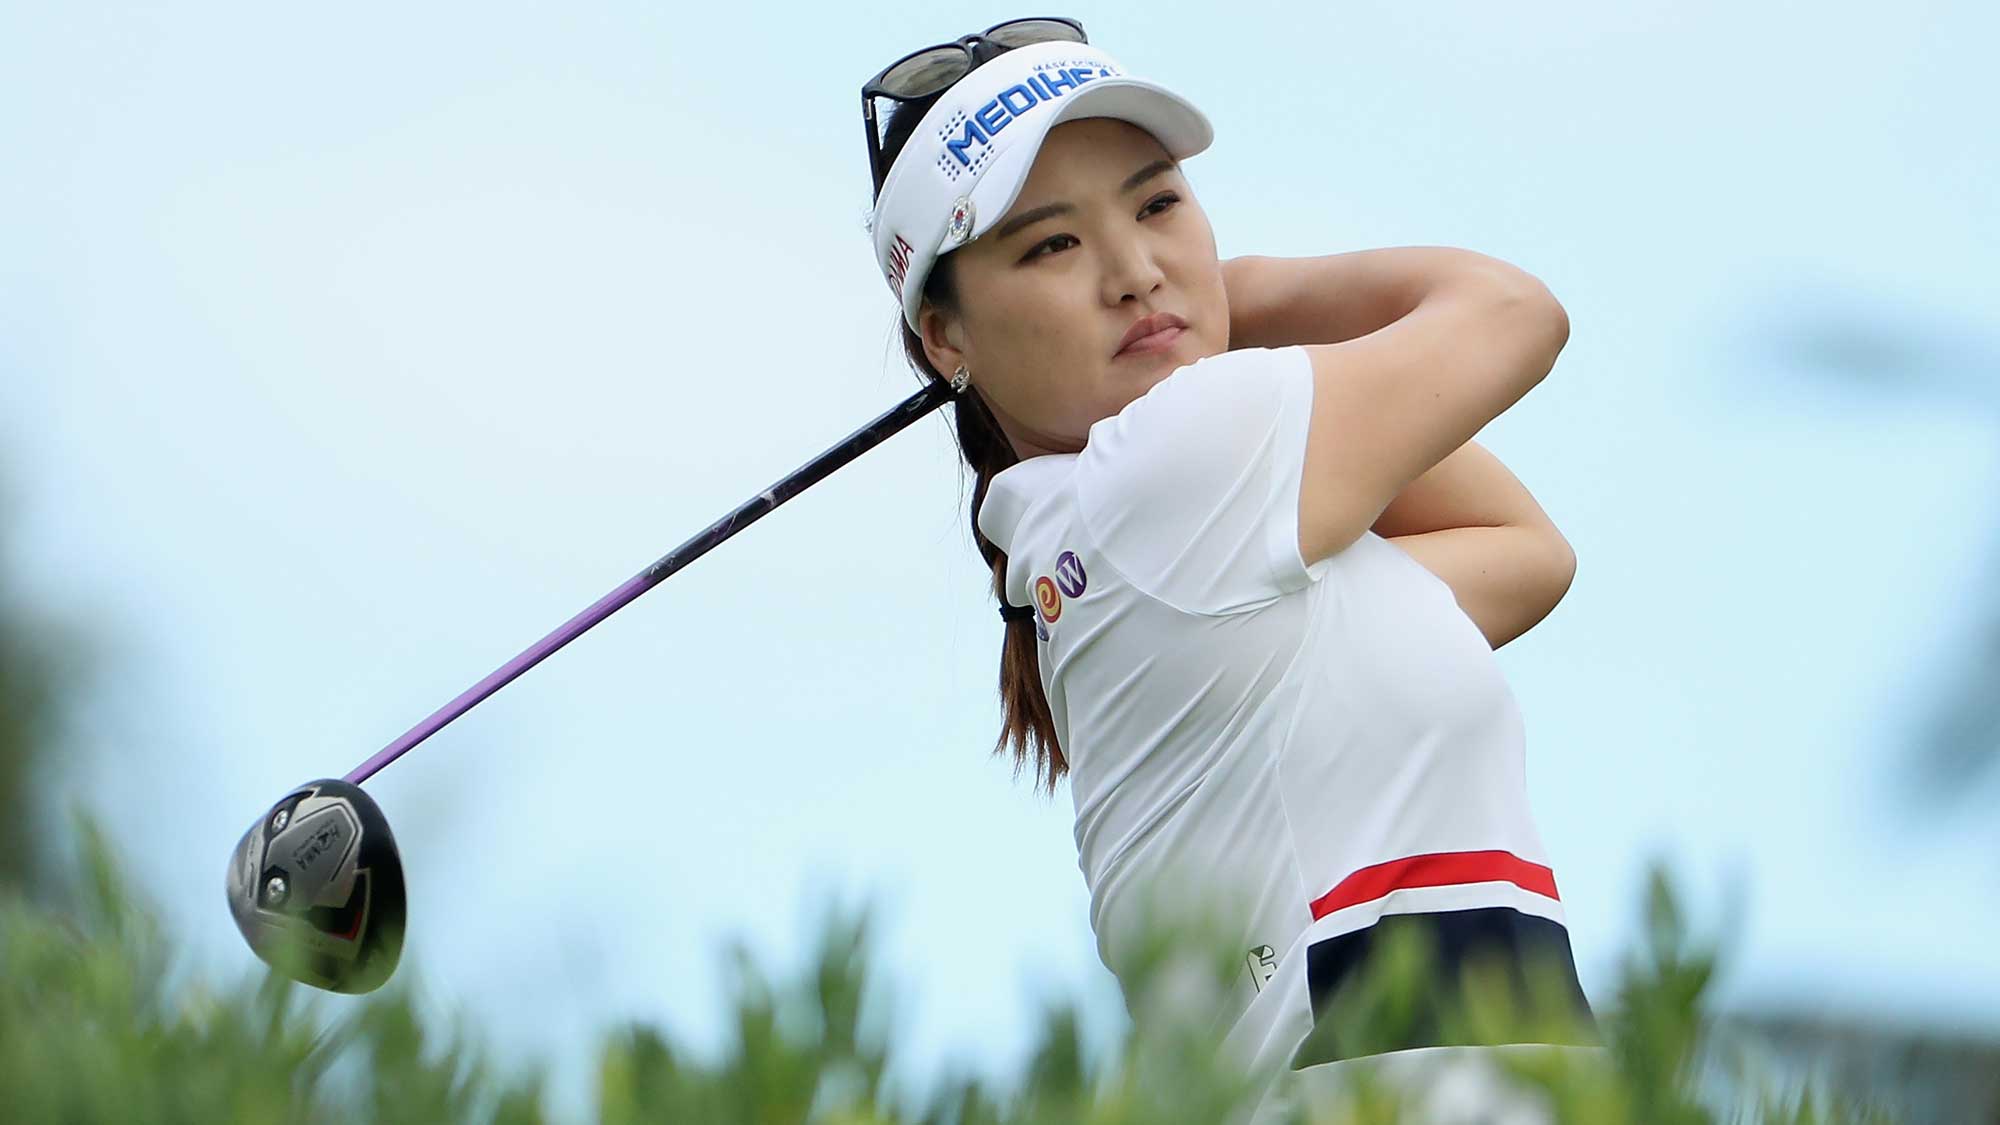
pixel 1192 491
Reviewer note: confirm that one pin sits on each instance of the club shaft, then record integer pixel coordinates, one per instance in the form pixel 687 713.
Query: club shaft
pixel 747 513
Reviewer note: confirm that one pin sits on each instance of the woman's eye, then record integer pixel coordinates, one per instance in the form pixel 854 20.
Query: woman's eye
pixel 1052 244
pixel 1047 244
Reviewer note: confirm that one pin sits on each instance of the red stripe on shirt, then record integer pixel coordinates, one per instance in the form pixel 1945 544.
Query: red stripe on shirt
pixel 1439 869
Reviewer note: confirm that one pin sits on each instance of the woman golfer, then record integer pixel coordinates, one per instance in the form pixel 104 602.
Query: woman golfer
pixel 1252 566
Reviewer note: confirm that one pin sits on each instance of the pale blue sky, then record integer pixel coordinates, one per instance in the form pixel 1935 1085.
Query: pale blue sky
pixel 344 352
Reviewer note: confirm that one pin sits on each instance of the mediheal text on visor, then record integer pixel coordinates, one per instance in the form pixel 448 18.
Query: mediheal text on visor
pixel 1042 86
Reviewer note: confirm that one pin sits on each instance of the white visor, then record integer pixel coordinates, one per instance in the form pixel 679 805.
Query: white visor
pixel 965 163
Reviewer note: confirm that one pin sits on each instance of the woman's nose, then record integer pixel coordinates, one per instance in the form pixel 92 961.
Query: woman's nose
pixel 1132 271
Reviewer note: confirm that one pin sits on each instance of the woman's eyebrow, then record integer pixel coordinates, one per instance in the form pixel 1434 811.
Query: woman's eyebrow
pixel 1142 175
pixel 1050 210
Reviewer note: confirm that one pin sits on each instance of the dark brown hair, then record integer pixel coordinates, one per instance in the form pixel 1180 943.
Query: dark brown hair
pixel 1027 728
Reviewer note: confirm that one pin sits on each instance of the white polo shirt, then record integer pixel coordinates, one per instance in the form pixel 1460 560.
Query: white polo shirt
pixel 1316 755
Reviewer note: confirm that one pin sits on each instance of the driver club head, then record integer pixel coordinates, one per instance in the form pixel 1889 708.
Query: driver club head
pixel 316 887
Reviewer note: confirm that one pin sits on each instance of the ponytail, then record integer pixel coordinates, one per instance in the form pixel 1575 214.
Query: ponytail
pixel 1027 728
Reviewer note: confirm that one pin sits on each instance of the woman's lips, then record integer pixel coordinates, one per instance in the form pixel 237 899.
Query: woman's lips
pixel 1157 342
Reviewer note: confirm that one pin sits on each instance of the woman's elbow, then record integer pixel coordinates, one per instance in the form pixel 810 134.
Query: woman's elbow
pixel 1561 567
pixel 1551 321
pixel 1526 324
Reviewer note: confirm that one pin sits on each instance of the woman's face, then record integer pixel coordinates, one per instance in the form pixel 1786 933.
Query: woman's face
pixel 1113 235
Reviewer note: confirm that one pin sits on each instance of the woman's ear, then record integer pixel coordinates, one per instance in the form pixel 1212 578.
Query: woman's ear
pixel 943 337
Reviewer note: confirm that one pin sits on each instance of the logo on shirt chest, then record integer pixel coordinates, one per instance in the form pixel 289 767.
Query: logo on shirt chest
pixel 1048 599
pixel 1069 574
pixel 1069 581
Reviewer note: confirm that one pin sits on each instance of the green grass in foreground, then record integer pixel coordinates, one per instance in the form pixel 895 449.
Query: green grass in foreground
pixel 92 1030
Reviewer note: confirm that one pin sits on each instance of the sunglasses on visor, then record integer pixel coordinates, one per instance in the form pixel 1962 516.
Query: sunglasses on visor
pixel 924 72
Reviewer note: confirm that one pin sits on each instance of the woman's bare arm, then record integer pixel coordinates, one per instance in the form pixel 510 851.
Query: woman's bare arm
pixel 1467 519
pixel 1329 299
pixel 1469 488
pixel 1471 523
pixel 1506 579
pixel 1278 302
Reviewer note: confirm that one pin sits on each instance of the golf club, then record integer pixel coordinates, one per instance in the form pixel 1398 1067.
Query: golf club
pixel 316 884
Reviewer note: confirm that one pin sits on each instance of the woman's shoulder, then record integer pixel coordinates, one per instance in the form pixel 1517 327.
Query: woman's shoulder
pixel 1218 407
pixel 1219 379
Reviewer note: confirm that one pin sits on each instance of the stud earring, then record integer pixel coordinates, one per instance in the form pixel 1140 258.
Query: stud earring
pixel 960 380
